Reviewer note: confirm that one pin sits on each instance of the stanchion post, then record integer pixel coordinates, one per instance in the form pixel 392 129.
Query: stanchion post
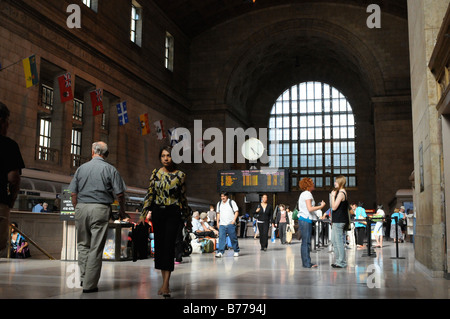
pixel 322 227
pixel 396 240
pixel 313 235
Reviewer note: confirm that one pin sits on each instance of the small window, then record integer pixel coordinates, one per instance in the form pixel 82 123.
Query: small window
pixel 136 23
pixel 47 97
pixel 93 4
pixel 78 110
pixel 75 147
pixel 45 129
pixel 169 47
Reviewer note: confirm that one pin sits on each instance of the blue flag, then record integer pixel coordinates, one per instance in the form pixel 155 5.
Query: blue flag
pixel 122 113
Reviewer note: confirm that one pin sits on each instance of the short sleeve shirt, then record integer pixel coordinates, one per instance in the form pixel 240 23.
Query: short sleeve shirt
pixel 303 209
pixel 360 213
pixel 97 182
pixel 10 160
pixel 226 211
pixel 196 225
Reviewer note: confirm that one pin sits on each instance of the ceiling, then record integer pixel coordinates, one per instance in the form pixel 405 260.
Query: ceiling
pixel 196 16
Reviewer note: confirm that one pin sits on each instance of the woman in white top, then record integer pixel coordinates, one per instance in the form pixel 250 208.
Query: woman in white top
pixel 378 230
pixel 306 207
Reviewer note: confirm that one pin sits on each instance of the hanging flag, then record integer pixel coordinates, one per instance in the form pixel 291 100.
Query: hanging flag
pixel 145 127
pixel 159 129
pixel 122 113
pixel 97 102
pixel 65 87
pixel 30 69
pixel 176 136
pixel 173 138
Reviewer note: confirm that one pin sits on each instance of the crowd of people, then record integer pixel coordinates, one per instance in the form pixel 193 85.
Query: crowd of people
pixel 97 184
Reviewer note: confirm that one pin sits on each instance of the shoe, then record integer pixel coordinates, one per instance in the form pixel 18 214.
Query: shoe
pixel 236 255
pixel 87 291
pixel 336 266
pixel 219 255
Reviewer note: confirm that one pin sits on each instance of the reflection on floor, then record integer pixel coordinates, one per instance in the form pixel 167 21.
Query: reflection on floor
pixel 273 274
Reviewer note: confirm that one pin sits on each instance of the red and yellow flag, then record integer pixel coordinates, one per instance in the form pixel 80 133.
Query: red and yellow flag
pixel 145 126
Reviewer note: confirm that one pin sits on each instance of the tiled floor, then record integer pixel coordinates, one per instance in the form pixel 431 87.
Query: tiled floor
pixel 255 274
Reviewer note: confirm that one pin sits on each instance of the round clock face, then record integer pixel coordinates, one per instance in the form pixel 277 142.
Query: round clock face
pixel 252 149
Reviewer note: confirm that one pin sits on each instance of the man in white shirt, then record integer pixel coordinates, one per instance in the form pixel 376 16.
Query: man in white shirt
pixel 196 223
pixel 227 213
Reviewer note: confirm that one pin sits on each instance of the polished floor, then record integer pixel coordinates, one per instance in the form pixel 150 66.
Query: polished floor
pixel 273 274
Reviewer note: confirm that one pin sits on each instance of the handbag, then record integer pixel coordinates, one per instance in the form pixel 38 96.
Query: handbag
pixel 295 213
pixel 288 236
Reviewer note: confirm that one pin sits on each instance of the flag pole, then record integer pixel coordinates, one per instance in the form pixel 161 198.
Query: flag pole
pixel 6 67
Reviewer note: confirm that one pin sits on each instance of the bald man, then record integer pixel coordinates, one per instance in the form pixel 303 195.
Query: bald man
pixel 94 187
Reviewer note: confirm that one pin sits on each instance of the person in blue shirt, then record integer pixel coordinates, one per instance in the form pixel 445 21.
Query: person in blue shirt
pixel 399 214
pixel 37 208
pixel 360 227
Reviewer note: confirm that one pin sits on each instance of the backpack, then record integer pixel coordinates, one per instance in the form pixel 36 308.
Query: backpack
pixel 220 202
pixel 207 246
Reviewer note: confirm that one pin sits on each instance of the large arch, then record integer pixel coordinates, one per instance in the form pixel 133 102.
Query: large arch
pixel 241 66
pixel 292 51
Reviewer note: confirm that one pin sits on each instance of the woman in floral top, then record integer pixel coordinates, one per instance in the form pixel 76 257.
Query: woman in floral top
pixel 167 203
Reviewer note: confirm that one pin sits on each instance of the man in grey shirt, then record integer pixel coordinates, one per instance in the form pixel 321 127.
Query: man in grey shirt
pixel 94 187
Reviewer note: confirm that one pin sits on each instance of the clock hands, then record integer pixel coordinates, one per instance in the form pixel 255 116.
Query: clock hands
pixel 254 151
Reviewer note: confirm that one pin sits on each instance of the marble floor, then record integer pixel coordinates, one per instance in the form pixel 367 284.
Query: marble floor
pixel 254 275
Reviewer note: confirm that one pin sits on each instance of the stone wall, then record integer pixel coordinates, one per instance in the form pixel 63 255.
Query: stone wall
pixel 98 55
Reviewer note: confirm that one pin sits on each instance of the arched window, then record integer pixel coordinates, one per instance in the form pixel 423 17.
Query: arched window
pixel 312 132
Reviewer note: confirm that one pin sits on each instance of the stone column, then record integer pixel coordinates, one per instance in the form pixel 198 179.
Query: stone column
pixel 425 19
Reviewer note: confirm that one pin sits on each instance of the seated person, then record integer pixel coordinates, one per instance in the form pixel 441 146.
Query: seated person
pixel 208 229
pixel 197 227
pixel 45 208
pixel 19 246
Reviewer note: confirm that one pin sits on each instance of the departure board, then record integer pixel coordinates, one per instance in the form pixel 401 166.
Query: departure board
pixel 265 180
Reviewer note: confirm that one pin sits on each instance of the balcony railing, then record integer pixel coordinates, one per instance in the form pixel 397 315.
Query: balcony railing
pixel 47 154
pixel 78 160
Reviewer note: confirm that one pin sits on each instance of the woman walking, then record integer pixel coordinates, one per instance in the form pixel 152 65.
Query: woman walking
pixel 166 203
pixel 265 212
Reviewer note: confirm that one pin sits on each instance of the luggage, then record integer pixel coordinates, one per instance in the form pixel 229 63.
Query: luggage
pixel 207 246
pixel 289 232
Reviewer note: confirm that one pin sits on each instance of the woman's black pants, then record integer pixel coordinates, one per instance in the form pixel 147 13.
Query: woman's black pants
pixel 263 229
pixel 166 222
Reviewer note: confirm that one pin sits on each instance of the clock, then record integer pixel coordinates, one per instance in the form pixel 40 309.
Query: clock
pixel 252 149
